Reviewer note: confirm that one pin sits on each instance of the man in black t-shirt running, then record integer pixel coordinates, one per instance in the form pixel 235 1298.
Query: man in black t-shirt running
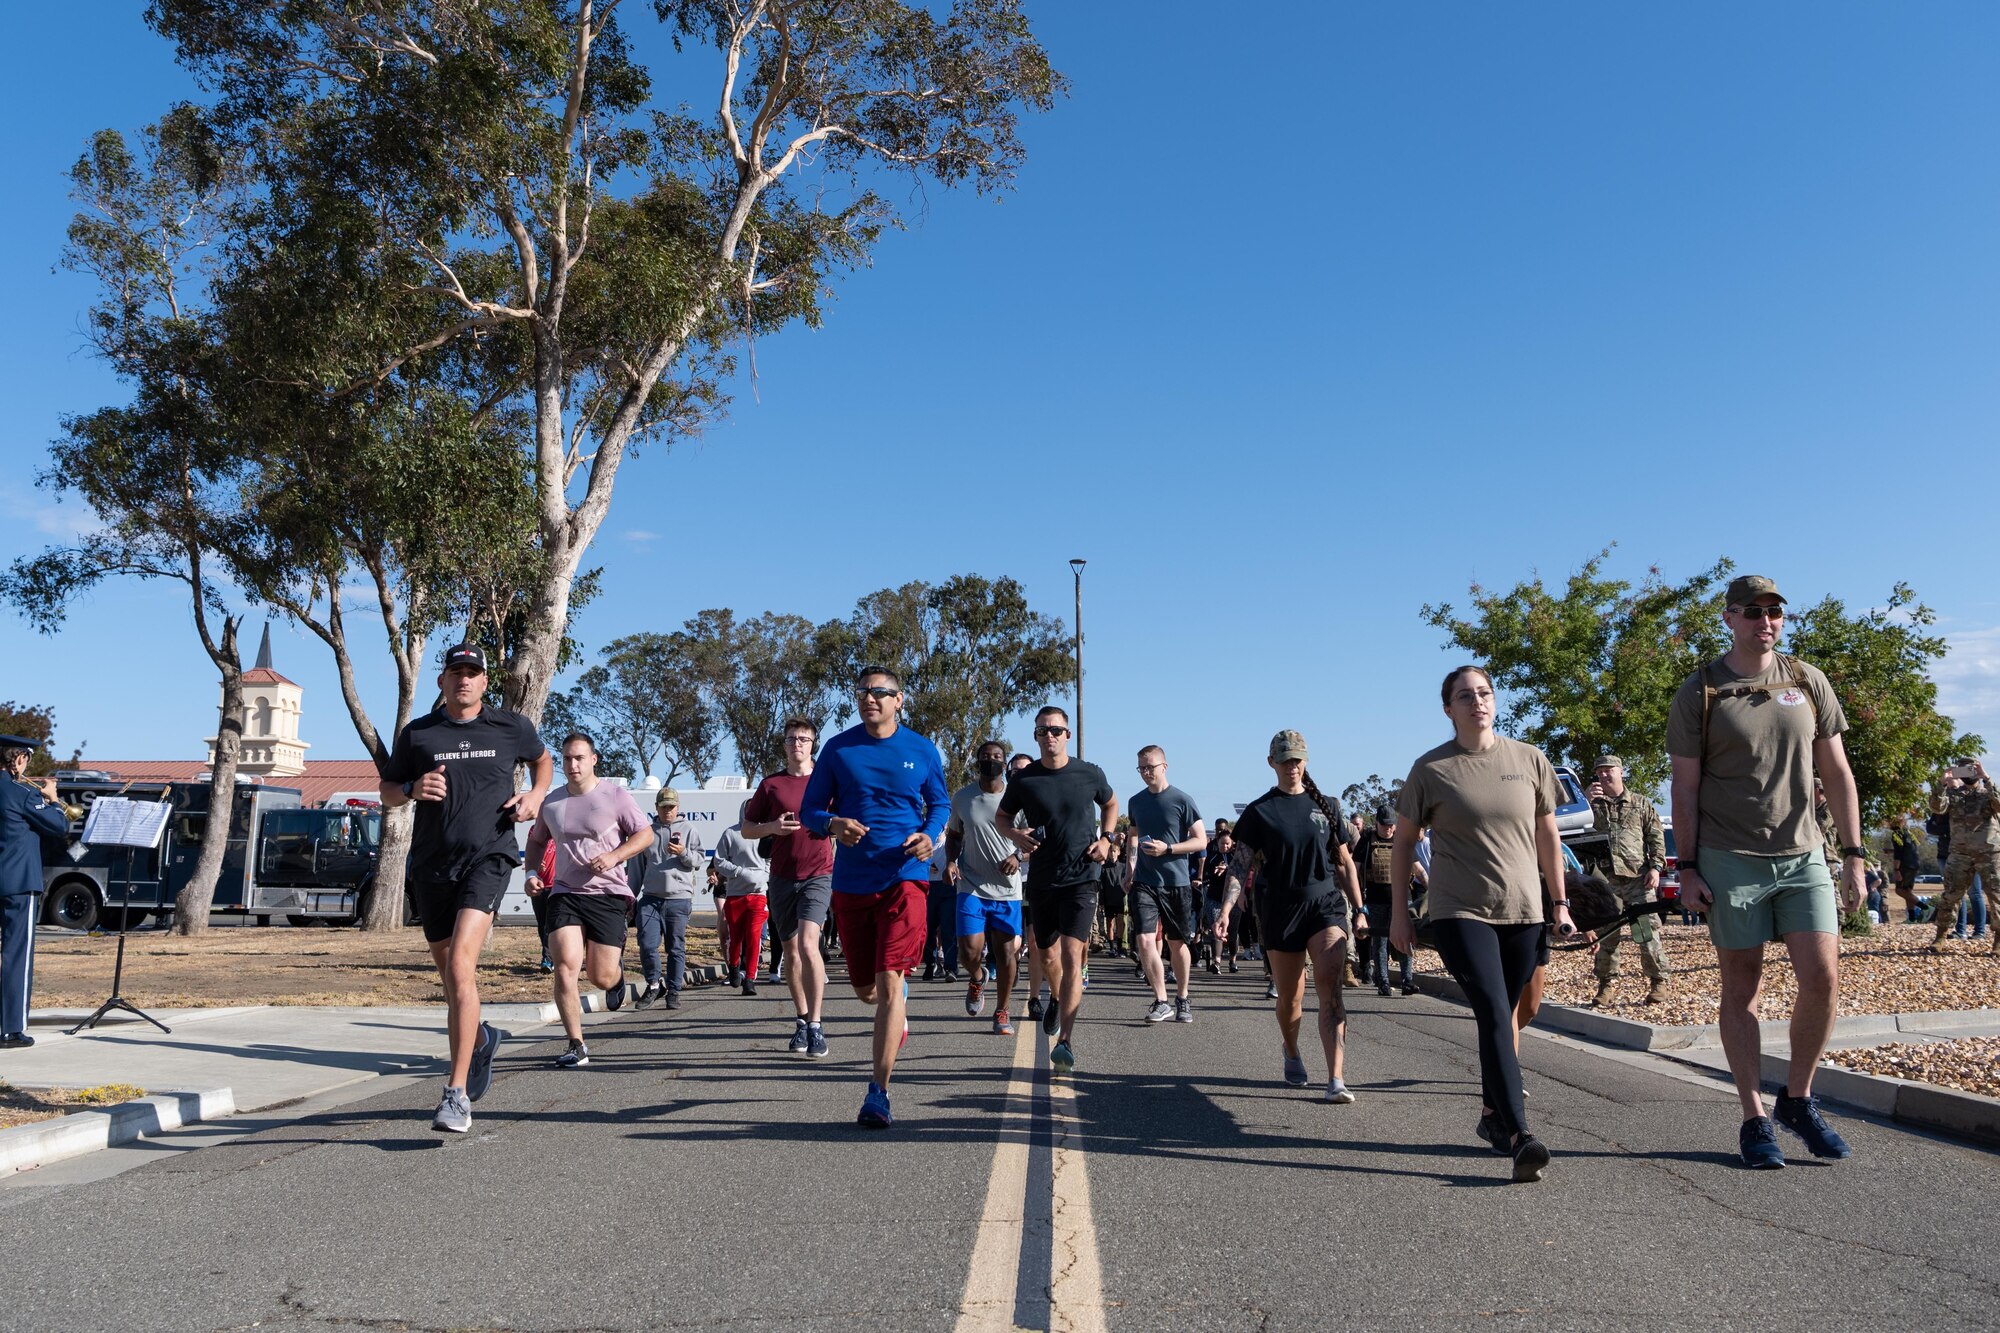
pixel 457 763
pixel 1071 814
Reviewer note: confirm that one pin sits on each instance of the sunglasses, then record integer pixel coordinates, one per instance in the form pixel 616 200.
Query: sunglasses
pixel 1052 731
pixel 1761 612
pixel 876 692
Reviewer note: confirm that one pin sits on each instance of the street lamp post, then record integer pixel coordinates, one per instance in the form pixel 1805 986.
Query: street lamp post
pixel 1076 568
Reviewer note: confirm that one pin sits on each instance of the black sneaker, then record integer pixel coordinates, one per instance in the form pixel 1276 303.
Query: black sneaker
pixel 1489 1129
pixel 673 999
pixel 1051 1016
pixel 1232 967
pixel 1531 1158
pixel 1409 990
pixel 1757 1141
pixel 576 1057
pixel 1035 1009
pixel 1383 990
pixel 649 996
pixel 749 988
pixel 614 997
pixel 1801 1116
pixel 1183 1011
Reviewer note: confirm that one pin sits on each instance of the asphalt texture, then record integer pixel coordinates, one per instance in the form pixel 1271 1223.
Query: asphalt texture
pixel 696 1175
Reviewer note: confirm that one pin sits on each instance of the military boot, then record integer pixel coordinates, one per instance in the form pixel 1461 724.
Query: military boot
pixel 1657 991
pixel 1603 992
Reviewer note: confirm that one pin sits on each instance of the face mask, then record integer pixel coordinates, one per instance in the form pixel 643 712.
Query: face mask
pixel 992 768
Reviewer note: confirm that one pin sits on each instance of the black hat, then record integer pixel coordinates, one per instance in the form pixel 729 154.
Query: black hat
pixel 465 655
pixel 1385 814
pixel 20 743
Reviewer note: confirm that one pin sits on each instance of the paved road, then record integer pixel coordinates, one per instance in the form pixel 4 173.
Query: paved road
pixel 695 1175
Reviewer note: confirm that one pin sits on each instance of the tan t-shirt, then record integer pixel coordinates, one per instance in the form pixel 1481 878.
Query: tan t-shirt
pixel 1757 773
pixel 1481 809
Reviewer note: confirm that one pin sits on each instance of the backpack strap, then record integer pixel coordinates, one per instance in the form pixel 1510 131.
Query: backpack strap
pixel 1710 693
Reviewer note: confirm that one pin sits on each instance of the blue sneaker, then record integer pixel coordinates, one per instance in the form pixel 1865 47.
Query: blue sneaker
pixel 480 1077
pixel 1062 1060
pixel 875 1110
pixel 1801 1116
pixel 799 1041
pixel 1295 1072
pixel 815 1043
pixel 1757 1141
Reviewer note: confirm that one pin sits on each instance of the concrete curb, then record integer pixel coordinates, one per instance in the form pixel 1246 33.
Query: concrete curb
pixel 83 1132
pixel 1966 1115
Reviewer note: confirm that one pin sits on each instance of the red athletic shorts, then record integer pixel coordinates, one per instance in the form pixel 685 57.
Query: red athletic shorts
pixel 882 932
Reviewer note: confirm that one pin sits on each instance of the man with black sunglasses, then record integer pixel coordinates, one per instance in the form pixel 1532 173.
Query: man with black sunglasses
pixel 1071 814
pixel 1746 733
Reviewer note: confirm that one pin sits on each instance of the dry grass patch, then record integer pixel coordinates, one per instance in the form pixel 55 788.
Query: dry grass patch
pixel 22 1107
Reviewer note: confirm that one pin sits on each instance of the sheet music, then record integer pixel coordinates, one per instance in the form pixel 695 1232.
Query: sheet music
pixel 117 821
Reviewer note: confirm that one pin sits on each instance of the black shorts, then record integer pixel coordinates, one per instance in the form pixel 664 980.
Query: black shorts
pixel 1062 910
pixel 1169 905
pixel 1288 921
pixel 603 916
pixel 1112 900
pixel 480 887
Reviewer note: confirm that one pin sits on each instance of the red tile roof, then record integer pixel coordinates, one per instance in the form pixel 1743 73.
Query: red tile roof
pixel 322 778
pixel 265 676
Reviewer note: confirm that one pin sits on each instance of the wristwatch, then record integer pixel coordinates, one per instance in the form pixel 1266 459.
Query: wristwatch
pixel 409 791
pixel 1846 852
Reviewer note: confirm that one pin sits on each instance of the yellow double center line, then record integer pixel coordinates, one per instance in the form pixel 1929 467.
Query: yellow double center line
pixel 1034 1261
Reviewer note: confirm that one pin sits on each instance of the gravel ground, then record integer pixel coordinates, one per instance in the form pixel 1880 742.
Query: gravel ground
pixel 1889 972
pixel 313 965
pixel 1971 1064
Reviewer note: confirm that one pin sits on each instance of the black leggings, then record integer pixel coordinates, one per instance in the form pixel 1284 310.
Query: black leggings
pixel 1492 964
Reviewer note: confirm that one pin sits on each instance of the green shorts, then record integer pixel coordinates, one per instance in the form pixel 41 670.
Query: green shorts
pixel 1763 898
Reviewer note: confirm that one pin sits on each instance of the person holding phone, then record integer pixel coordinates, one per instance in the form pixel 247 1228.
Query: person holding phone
pixel 1489 803
pixel 1969 798
pixel 670 870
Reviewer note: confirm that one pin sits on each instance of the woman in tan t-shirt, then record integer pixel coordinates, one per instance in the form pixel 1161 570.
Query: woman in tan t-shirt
pixel 1489 803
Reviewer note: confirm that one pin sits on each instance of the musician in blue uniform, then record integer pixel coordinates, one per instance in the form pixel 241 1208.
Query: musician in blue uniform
pixel 28 813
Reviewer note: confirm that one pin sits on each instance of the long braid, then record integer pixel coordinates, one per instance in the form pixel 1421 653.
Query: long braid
pixel 1327 806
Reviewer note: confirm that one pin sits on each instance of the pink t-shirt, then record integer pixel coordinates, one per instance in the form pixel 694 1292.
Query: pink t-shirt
pixel 585 826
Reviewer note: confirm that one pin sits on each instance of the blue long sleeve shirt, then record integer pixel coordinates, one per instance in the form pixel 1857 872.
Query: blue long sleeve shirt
pixel 895 785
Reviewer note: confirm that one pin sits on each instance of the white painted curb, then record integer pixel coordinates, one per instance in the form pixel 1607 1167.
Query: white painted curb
pixel 83 1132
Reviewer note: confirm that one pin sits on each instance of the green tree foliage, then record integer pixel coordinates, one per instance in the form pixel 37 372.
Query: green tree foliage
pixel 1878 663
pixel 754 674
pixel 1592 667
pixel 37 722
pixel 1368 794
pixel 646 707
pixel 488 199
pixel 971 652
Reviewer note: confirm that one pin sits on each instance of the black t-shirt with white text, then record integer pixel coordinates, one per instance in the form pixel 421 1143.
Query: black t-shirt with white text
pixel 1063 803
pixel 478 756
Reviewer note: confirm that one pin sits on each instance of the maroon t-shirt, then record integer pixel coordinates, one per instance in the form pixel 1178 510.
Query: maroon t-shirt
pixel 793 856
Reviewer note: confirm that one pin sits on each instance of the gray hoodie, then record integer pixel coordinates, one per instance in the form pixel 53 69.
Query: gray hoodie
pixel 666 875
pixel 737 864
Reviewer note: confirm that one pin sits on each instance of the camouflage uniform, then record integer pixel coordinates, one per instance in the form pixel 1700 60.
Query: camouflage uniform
pixel 1638 844
pixel 1975 848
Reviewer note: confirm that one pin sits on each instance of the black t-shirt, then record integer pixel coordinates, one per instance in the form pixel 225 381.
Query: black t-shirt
pixel 478 756
pixel 1291 834
pixel 1063 803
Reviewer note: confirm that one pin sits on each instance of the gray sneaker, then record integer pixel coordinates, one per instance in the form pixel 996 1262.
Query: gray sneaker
pixel 1160 1012
pixel 1183 1011
pixel 1337 1092
pixel 480 1077
pixel 1295 1072
pixel 454 1113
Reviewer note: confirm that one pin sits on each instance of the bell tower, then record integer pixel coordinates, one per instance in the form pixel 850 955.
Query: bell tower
pixel 271 706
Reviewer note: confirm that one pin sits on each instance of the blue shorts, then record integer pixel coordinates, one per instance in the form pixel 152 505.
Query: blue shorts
pixel 988 916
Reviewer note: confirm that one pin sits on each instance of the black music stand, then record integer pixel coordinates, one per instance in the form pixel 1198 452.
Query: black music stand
pixel 117 822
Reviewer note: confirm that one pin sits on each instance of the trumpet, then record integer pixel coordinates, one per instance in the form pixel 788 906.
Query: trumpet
pixel 73 813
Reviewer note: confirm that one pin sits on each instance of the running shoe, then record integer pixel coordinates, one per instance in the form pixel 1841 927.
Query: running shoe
pixel 1160 1012
pixel 1338 1092
pixel 576 1057
pixel 975 999
pixel 1002 1025
pixel 454 1113
pixel 1531 1158
pixel 1295 1072
pixel 1409 989
pixel 1489 1129
pixel 1035 1009
pixel 930 972
pixel 953 974
pixel 673 999
pixel 1183 1011
pixel 614 996
pixel 480 1076
pixel 1172 980
pixel 1051 1017
pixel 1214 968
pixel 1757 1142
pixel 875 1110
pixel 815 1042
pixel 649 996
pixel 547 964
pixel 749 988
pixel 1383 990
pixel 799 1040
pixel 1801 1116
pixel 1270 990
pixel 1232 967
pixel 1062 1060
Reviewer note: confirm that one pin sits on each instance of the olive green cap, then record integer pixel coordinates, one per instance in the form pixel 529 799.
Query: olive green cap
pixel 1747 588
pixel 1288 745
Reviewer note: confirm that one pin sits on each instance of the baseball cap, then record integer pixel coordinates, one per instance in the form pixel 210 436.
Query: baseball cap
pixel 1608 761
pixel 1749 587
pixel 1385 814
pixel 668 796
pixel 1288 745
pixel 465 655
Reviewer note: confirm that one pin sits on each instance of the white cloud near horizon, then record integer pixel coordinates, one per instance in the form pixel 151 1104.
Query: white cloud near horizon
pixel 1968 681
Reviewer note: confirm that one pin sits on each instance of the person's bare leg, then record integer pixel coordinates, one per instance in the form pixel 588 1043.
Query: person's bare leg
pixel 1149 962
pixel 604 964
pixel 1288 974
pixel 1074 954
pixel 1329 959
pixel 808 971
pixel 1006 967
pixel 1051 963
pixel 1742 1041
pixel 457 962
pixel 566 952
pixel 1816 962
pixel 1530 1004
pixel 972 956
pixel 1037 970
pixel 1178 951
pixel 888 999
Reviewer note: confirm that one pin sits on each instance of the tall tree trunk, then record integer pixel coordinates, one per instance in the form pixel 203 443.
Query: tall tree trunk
pixel 192 908
pixel 384 909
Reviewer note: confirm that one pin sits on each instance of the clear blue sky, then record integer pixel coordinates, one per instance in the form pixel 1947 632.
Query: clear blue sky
pixel 1291 326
